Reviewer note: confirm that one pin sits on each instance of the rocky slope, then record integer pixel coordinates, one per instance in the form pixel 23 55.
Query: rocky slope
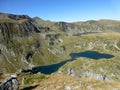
pixel 78 55
pixel 20 43
pixel 66 82
pixel 26 42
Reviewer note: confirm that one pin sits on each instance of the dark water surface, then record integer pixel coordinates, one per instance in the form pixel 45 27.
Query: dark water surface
pixel 92 55
pixel 48 69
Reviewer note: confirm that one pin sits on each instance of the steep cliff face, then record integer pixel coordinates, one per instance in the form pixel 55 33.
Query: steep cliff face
pixel 16 25
pixel 21 45
pixel 10 29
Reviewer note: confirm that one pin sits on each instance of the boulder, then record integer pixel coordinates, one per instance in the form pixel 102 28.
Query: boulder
pixel 10 83
pixel 71 72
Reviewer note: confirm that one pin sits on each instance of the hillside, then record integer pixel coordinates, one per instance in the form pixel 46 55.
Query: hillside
pixel 66 82
pixel 87 49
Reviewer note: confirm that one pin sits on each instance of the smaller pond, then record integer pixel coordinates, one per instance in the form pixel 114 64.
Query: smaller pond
pixel 92 55
pixel 48 69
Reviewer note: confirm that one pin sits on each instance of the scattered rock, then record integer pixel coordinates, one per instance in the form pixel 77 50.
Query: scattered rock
pixel 51 43
pixel 29 55
pixel 62 49
pixel 71 72
pixel 68 88
pixel 10 83
pixel 29 71
pixel 60 71
pixel 60 40
pixel 97 76
pixel 0 51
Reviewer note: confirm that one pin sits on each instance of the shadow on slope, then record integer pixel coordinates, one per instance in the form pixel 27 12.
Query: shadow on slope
pixel 29 87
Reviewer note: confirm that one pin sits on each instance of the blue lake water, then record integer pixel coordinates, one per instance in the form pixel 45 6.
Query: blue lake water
pixel 48 69
pixel 92 55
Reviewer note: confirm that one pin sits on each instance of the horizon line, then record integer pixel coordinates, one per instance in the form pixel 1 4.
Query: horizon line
pixel 69 21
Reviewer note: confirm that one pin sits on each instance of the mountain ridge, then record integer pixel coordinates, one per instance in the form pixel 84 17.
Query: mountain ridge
pixel 25 41
pixel 79 55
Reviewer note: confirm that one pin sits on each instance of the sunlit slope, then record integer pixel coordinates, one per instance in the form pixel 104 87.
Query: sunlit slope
pixel 26 42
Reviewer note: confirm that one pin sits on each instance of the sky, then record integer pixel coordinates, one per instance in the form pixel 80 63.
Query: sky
pixel 64 10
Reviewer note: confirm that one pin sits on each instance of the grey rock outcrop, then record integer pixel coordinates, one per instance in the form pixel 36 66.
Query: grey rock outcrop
pixel 71 72
pixel 96 76
pixel 10 83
